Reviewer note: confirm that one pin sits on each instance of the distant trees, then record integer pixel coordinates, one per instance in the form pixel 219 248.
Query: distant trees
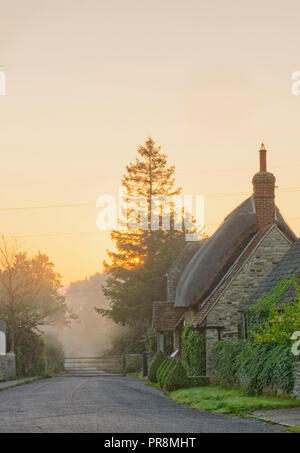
pixel 136 270
pixel 29 293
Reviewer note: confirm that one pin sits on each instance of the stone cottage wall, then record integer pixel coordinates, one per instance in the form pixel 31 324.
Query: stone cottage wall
pixel 7 366
pixel 226 312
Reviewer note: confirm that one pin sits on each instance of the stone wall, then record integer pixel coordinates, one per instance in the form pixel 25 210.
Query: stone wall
pixel 226 312
pixel 7 366
pixel 296 391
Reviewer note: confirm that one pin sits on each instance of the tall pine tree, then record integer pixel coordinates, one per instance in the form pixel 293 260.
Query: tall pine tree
pixel 137 268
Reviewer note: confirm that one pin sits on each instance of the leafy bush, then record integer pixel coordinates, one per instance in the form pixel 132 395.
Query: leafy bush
pixel 160 370
pixel 30 356
pixel 176 378
pixel 37 355
pixel 193 351
pixel 224 362
pixel 171 363
pixel 254 367
pixel 156 362
pixel 265 367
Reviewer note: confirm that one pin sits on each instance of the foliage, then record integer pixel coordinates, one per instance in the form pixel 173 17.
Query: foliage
pixel 229 401
pixel 193 351
pixel 37 355
pixel 129 341
pixel 176 378
pixel 254 367
pixel 29 292
pixel 171 363
pixel 136 268
pixel 266 367
pixel 268 320
pixel 224 364
pixel 30 359
pixel 156 362
pixel 263 362
pixel 160 371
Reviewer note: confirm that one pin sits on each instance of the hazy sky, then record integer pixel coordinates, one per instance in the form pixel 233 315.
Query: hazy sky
pixel 89 80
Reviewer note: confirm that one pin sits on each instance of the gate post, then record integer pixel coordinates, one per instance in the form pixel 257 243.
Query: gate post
pixel 145 364
pixel 124 365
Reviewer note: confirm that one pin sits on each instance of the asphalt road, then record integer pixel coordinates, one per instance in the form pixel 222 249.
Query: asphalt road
pixel 108 404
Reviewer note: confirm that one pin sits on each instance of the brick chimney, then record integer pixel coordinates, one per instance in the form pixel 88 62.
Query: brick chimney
pixel 264 193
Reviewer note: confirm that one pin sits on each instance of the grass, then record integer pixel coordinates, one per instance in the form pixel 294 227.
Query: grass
pixel 229 401
pixel 293 429
pixel 28 381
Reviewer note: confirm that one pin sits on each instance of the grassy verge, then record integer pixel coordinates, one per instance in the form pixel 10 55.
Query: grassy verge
pixel 229 401
pixel 27 381
pixel 293 429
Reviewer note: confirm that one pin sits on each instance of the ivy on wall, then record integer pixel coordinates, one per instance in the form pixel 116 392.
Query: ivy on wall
pixel 263 362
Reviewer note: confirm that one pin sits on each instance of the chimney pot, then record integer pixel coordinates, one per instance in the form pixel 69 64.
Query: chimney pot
pixel 263 158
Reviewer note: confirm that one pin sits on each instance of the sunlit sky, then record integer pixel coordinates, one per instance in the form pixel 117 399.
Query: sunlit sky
pixel 89 80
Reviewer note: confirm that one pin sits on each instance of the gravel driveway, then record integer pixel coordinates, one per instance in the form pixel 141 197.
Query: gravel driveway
pixel 108 404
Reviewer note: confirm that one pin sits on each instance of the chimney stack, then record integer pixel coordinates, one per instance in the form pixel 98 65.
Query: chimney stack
pixel 264 193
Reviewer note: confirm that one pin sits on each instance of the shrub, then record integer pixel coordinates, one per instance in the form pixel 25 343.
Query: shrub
pixel 177 378
pixel 160 370
pixel 166 371
pixel 254 367
pixel 224 364
pixel 193 351
pixel 265 366
pixel 156 362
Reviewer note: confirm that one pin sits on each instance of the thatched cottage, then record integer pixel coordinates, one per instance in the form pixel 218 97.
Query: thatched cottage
pixel 213 281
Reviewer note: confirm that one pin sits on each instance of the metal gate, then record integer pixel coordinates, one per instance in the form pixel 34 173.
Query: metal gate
pixel 119 365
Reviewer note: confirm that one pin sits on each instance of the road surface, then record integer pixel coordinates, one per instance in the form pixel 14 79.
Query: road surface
pixel 108 404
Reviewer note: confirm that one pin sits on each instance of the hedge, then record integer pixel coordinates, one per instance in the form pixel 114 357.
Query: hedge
pixel 156 362
pixel 160 370
pixel 172 375
pixel 254 367
pixel 177 378
pixel 166 371
pixel 193 351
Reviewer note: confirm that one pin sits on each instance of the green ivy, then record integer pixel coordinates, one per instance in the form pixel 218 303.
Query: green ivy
pixel 193 351
pixel 224 363
pixel 254 367
pixel 267 306
pixel 263 362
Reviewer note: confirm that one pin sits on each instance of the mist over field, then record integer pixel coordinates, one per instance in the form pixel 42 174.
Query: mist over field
pixel 90 334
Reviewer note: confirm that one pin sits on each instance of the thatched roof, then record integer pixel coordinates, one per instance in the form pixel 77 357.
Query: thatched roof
pixel 174 273
pixel 214 259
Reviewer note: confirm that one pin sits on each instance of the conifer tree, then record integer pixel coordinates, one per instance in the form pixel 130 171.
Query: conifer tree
pixel 137 268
